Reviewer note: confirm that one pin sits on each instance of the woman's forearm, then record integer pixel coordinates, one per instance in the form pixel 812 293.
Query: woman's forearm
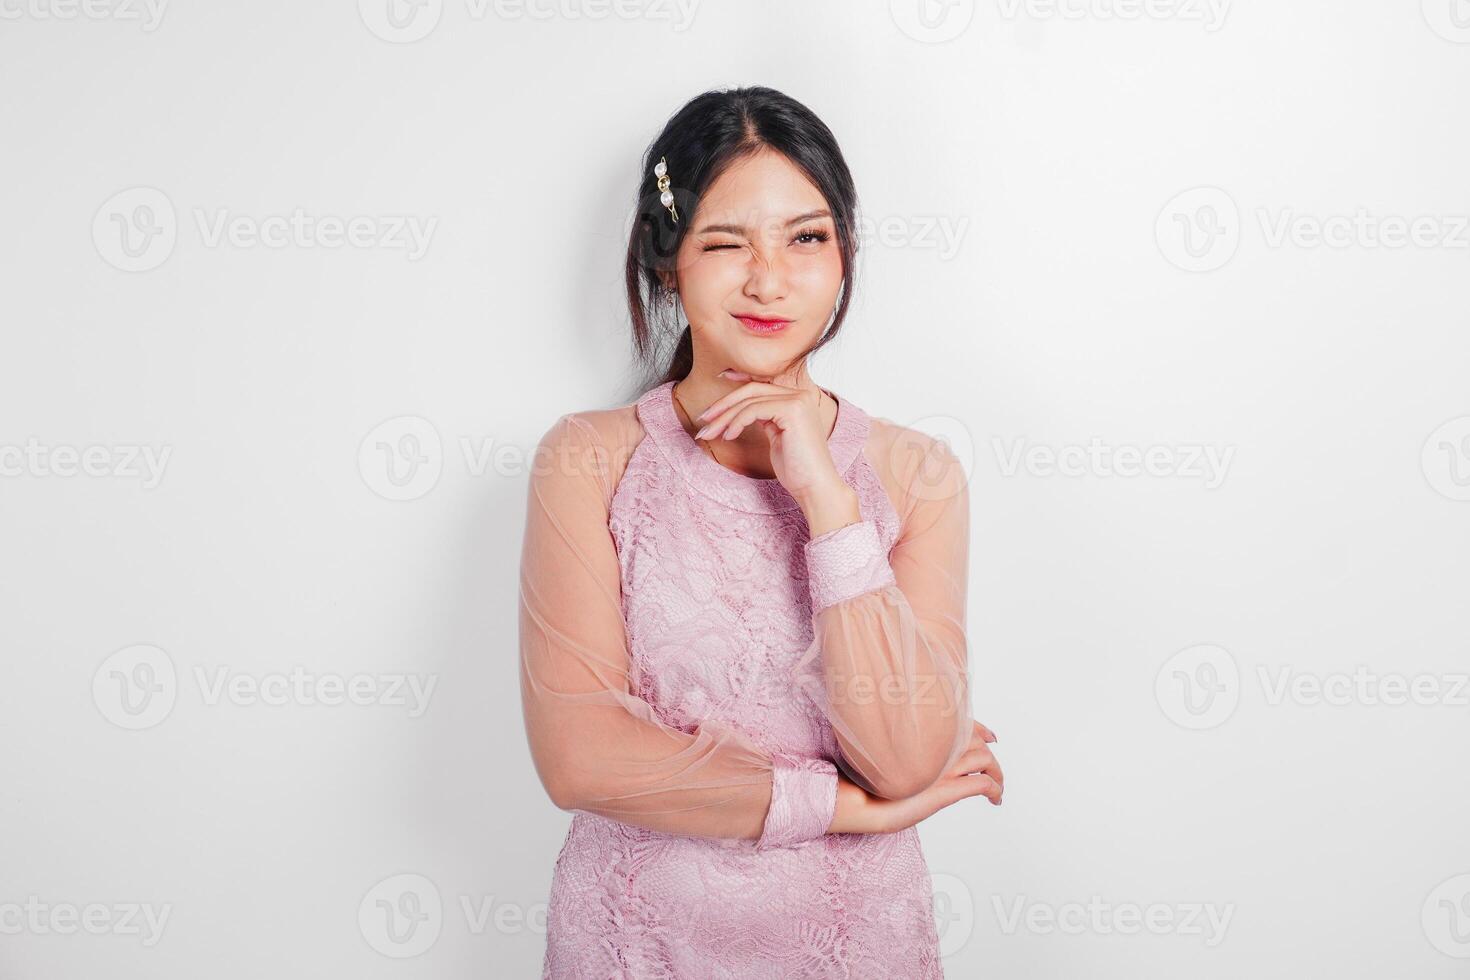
pixel 848 816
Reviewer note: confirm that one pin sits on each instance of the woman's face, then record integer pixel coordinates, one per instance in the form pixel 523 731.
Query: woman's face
pixel 762 245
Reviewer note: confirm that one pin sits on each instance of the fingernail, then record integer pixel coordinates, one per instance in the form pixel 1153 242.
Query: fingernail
pixel 701 432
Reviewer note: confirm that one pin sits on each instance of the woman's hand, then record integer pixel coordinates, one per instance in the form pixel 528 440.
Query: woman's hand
pixel 791 418
pixel 975 773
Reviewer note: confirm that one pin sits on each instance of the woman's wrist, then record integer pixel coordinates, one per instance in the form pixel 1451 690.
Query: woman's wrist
pixel 830 508
pixel 850 814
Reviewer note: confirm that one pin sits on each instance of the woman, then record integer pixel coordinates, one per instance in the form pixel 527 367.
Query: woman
pixel 742 620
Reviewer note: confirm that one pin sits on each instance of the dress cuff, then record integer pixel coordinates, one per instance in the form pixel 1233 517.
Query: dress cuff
pixel 803 799
pixel 846 562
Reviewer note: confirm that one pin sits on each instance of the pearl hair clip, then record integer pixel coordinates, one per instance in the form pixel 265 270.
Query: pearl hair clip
pixel 665 196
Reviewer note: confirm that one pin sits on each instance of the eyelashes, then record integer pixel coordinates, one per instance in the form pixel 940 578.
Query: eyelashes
pixel 819 234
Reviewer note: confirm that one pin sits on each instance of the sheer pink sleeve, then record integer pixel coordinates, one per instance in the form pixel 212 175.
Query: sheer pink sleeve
pixel 889 628
pixel 596 746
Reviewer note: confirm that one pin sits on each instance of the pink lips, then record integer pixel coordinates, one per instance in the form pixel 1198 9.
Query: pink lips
pixel 762 326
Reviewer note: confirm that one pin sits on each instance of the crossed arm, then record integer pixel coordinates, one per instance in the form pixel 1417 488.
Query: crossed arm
pixel 889 630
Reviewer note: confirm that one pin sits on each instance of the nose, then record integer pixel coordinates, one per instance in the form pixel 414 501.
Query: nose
pixel 765 280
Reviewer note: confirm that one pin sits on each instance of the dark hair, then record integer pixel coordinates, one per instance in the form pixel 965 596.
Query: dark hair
pixel 699 142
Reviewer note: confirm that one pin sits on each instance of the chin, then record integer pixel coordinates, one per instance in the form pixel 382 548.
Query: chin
pixel 761 364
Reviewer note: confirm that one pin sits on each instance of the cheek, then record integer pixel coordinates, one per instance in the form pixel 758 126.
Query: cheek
pixel 710 277
pixel 818 273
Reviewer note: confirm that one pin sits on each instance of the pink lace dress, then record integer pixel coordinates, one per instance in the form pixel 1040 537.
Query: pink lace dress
pixel 696 670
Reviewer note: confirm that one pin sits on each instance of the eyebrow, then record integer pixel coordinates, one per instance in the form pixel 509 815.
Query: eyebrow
pixel 739 230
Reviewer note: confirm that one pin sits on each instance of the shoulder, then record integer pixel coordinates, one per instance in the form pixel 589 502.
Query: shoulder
pixel 593 443
pixel 920 471
pixel 608 426
pixel 908 452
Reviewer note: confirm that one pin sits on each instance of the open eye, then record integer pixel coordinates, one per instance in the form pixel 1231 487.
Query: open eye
pixel 812 236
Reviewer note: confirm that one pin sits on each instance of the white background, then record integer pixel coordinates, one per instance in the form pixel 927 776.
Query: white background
pixel 1091 225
